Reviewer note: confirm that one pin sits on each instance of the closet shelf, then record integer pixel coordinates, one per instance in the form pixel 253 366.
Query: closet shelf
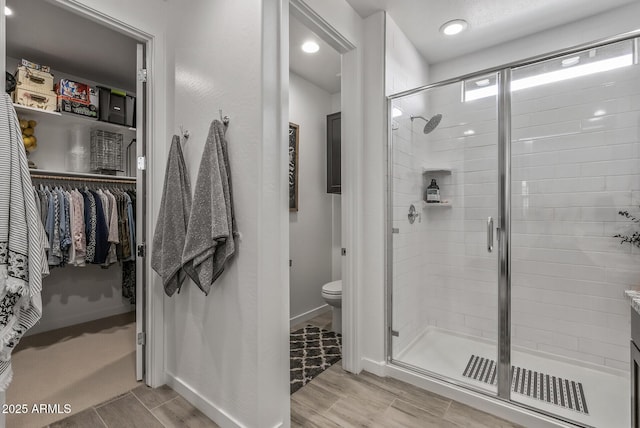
pixel 43 173
pixel 70 119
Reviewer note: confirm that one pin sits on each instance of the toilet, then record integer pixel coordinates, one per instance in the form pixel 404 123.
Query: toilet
pixel 332 294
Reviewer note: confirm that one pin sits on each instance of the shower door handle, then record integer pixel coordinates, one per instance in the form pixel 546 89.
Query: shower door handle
pixel 490 234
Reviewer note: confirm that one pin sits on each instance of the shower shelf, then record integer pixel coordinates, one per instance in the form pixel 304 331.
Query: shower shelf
pixel 431 205
pixel 436 170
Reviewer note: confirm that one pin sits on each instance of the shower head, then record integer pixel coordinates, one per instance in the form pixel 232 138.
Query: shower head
pixel 431 123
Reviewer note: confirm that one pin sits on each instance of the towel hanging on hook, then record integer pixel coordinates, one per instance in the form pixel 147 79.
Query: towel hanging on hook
pixel 224 119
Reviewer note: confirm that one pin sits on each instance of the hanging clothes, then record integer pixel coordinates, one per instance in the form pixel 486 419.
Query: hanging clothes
pixel 22 256
pixel 90 226
pixel 210 239
pixel 173 218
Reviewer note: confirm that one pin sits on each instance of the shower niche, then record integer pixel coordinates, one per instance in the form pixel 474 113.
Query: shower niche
pixel 438 173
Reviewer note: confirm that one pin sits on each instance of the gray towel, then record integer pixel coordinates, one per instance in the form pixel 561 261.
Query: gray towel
pixel 171 228
pixel 210 235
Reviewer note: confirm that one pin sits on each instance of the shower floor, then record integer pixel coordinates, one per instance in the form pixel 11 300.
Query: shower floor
pixel 447 354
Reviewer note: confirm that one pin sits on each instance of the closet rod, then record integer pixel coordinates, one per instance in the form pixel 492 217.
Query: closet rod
pixel 81 179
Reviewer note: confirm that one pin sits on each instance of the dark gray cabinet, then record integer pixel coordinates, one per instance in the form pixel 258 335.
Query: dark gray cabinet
pixel 333 153
pixel 635 368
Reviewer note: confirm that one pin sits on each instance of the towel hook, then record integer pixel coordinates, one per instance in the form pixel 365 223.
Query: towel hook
pixel 185 133
pixel 224 119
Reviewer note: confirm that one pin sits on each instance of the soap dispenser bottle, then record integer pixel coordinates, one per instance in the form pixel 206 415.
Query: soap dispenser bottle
pixel 432 195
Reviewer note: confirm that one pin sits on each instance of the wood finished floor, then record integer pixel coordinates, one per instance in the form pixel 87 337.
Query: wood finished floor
pixel 336 398
pixel 142 407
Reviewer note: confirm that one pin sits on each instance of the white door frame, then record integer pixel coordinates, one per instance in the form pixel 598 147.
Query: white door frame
pixel 351 172
pixel 154 314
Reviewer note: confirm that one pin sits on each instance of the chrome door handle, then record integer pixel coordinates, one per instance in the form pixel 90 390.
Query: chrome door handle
pixel 490 234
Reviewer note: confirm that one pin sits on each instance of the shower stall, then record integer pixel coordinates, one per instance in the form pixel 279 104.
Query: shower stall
pixel 513 284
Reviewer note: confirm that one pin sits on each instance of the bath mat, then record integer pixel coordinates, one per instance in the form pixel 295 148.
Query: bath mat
pixel 541 386
pixel 312 350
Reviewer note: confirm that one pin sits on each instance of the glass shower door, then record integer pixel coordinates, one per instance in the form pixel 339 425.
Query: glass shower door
pixel 575 163
pixel 443 252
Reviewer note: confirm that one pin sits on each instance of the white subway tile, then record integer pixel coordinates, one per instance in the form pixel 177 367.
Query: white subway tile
pixel 605 350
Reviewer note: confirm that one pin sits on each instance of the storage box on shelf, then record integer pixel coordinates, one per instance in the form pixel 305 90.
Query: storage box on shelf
pixel 34 80
pixel 116 106
pixel 34 87
pixel 77 98
pixel 33 99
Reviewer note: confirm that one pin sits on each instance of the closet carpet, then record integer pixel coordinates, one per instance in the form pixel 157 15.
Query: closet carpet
pixel 81 365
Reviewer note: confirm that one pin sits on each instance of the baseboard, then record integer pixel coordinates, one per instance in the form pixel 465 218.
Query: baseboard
pixel 378 368
pixel 46 325
pixel 308 315
pixel 214 413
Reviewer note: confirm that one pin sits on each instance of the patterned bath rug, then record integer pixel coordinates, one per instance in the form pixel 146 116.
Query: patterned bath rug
pixel 312 350
pixel 541 386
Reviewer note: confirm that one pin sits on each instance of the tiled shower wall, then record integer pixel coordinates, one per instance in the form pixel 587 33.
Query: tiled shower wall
pixel 407 260
pixel 572 172
pixel 575 164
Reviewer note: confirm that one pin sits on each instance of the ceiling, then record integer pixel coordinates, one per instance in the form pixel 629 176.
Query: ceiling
pixel 321 68
pixel 50 35
pixel 491 22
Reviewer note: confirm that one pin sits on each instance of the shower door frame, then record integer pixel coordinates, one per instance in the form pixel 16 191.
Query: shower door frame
pixel 503 73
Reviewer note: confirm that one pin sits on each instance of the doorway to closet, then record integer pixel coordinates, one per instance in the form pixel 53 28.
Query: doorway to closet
pixel 89 345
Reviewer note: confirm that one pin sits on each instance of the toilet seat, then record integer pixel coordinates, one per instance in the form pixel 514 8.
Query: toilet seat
pixel 333 288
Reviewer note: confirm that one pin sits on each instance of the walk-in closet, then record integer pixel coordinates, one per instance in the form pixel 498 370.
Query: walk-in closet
pixel 88 345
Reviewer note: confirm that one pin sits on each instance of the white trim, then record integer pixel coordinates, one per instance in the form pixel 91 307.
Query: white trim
pixel 352 172
pixel 493 406
pixel 196 398
pixel 378 368
pixel 316 23
pixel 309 314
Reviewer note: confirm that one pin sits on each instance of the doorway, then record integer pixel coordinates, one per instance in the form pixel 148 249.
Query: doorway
pixel 91 311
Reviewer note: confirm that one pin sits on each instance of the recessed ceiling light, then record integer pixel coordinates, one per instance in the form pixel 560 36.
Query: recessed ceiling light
pixel 454 27
pixel 568 62
pixel 310 47
pixel 483 82
pixel 7 11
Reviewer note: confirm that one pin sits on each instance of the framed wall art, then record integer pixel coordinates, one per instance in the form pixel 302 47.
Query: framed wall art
pixel 294 132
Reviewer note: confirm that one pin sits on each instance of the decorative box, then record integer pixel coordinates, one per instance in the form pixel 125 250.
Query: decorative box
pixel 44 101
pixel 34 80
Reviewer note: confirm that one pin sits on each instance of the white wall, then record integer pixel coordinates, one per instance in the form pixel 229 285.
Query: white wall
pixel 311 229
pixel 228 352
pixel 373 213
pixel 405 68
pixel 596 27
pixel 229 348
